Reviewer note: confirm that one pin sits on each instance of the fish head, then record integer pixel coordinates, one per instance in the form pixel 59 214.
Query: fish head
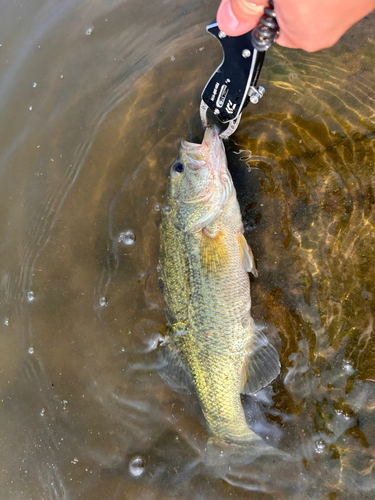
pixel 201 184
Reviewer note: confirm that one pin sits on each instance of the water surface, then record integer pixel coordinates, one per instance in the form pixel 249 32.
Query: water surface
pixel 94 100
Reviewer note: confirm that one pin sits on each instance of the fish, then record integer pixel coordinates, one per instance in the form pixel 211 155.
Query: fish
pixel 212 345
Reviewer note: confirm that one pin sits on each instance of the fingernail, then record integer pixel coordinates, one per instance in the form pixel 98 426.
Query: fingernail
pixel 226 19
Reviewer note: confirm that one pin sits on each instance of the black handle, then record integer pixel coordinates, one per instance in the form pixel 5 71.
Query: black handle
pixel 226 93
pixel 229 89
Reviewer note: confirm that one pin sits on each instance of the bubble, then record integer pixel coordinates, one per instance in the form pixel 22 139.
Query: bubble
pixel 34 85
pixel 74 461
pixel 320 446
pixel 347 366
pixel 42 412
pixel 173 58
pixel 167 210
pixel 157 207
pixel 31 350
pixel 338 411
pixel 137 466
pixel 30 108
pixel 30 296
pixel 127 237
pixel 61 76
pixel 122 349
pixel 346 416
pixel 89 31
pixel 6 321
pixel 103 302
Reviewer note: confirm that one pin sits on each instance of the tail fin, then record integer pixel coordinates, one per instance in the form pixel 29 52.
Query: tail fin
pixel 221 455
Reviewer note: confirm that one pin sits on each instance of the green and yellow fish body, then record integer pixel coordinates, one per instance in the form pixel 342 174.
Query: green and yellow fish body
pixel 212 343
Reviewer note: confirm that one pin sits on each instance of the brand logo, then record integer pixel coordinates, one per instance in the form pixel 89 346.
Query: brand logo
pixel 230 107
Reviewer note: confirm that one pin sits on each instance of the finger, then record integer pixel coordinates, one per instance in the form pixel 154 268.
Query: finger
pixel 236 17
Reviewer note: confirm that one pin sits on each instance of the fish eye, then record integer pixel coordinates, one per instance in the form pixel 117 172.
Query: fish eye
pixel 179 168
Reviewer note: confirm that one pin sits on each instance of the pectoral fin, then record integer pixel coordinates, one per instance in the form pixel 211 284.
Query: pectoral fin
pixel 247 257
pixel 214 253
pixel 262 364
pixel 173 370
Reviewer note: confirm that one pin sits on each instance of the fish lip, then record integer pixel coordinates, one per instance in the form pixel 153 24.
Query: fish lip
pixel 193 153
pixel 214 146
pixel 195 164
pixel 186 145
pixel 211 135
pixel 198 155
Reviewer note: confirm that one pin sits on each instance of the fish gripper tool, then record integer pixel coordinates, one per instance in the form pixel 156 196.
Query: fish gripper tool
pixel 233 84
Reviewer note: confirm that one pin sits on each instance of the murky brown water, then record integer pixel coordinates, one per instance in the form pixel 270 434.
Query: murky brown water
pixel 94 98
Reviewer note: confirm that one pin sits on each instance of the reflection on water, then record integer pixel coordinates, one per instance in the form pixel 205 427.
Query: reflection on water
pixel 94 99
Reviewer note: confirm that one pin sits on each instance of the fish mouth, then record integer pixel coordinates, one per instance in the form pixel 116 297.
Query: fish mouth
pixel 211 137
pixel 199 155
pixel 219 190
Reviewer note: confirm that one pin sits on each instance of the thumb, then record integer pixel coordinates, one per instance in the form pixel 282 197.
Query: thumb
pixel 236 17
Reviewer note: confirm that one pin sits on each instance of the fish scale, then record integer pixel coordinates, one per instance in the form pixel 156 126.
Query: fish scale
pixel 212 344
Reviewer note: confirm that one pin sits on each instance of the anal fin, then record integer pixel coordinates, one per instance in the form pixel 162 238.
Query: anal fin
pixel 262 364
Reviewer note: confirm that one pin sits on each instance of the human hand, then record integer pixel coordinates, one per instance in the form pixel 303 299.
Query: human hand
pixel 304 24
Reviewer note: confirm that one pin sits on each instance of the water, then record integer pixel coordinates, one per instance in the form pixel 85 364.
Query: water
pixel 90 162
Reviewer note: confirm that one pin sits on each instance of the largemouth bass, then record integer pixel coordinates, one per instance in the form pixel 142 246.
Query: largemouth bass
pixel 212 343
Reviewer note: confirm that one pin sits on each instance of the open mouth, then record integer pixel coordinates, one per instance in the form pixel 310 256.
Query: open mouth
pixel 195 154
pixel 198 154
